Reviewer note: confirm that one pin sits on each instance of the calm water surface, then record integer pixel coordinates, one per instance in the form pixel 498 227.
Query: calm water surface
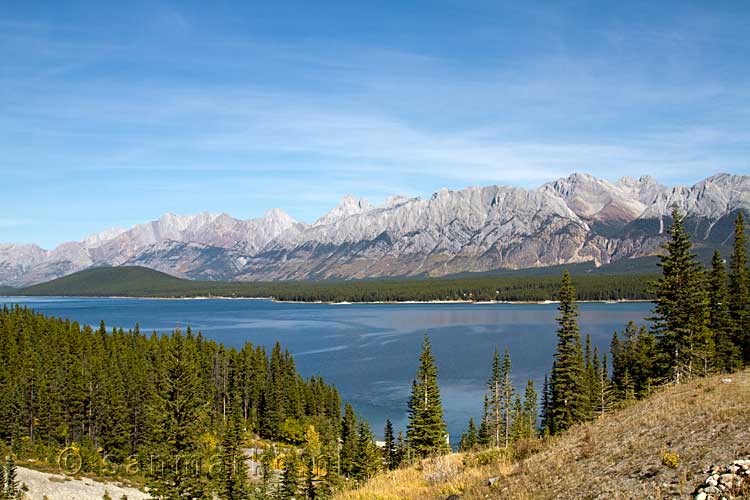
pixel 370 351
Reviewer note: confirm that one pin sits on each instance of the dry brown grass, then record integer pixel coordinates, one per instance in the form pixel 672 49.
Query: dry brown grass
pixel 619 456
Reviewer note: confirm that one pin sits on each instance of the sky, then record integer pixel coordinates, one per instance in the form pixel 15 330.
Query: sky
pixel 113 113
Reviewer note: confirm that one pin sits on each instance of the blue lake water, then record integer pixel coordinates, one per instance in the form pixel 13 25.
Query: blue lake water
pixel 370 351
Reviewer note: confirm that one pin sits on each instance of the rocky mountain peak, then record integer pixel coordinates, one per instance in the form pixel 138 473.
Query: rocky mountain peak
pixel 348 206
pixel 573 219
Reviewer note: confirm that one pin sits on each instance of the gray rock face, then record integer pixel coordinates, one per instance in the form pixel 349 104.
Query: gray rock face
pixel 575 219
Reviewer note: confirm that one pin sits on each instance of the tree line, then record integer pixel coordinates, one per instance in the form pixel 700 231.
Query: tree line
pixel 142 282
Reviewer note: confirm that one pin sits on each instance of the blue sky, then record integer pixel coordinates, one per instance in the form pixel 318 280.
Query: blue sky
pixel 112 113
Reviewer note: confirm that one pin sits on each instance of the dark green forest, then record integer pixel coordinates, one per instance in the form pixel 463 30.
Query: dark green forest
pixel 142 282
pixel 122 400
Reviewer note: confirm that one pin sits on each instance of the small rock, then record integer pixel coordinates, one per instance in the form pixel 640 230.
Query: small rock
pixel 726 381
pixel 453 497
pixel 728 479
pixel 701 496
pixel 712 481
pixel 491 481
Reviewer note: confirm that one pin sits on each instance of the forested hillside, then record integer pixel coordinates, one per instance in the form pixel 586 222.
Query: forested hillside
pixel 143 282
pixel 123 401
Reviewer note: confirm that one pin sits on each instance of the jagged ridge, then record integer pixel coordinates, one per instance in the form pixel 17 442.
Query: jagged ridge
pixel 576 219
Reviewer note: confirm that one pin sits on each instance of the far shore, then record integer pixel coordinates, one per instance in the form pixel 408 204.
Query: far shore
pixel 319 302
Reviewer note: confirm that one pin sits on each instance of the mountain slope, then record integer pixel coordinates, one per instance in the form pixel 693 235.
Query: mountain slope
pixel 572 220
pixel 108 281
pixel 706 422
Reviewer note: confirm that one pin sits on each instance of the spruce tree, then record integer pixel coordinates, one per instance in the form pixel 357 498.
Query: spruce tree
pixel 389 447
pixel 348 440
pixel 289 487
pixel 680 320
pixel 367 460
pixel 545 424
pixel 11 489
pixel 568 403
pixel 605 396
pixel 426 430
pixel 175 413
pixel 495 399
pixel 233 479
pixel 470 438
pixel 485 435
pixel 530 410
pixel 728 355
pixel 739 289
pixel 507 397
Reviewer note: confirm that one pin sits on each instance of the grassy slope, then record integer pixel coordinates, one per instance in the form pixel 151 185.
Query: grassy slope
pixel 7 290
pixel 617 457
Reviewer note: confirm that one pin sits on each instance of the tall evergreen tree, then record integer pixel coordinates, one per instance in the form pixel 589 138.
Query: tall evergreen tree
pixel 495 399
pixel 605 396
pixel 680 320
pixel 233 479
pixel 348 440
pixel 728 355
pixel 485 435
pixel 545 424
pixel 739 288
pixel 176 410
pixel 568 403
pixel 470 438
pixel 530 410
pixel 367 460
pixel 507 397
pixel 426 430
pixel 289 487
pixel 11 489
pixel 389 447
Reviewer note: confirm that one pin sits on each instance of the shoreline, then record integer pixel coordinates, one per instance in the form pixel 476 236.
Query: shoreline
pixel 323 302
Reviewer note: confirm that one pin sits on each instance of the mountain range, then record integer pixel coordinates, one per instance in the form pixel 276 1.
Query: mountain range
pixel 571 220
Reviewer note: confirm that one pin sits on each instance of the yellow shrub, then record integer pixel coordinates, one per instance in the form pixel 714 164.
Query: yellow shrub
pixel 670 459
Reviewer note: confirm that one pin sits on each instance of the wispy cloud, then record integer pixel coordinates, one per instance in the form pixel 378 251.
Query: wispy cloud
pixel 171 108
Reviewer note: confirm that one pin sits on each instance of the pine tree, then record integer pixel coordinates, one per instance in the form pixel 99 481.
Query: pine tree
pixel 175 411
pixel 470 438
pixel 389 447
pixel 495 399
pixel 739 283
pixel 568 403
pixel 289 487
pixel 233 480
pixel 728 355
pixel 348 440
pixel 507 397
pixel 680 320
pixel 530 410
pixel 545 424
pixel 426 430
pixel 485 435
pixel 605 397
pixel 11 489
pixel 517 426
pixel 367 460
pixel 739 289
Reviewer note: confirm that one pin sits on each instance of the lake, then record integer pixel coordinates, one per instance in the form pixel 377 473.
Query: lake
pixel 370 351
